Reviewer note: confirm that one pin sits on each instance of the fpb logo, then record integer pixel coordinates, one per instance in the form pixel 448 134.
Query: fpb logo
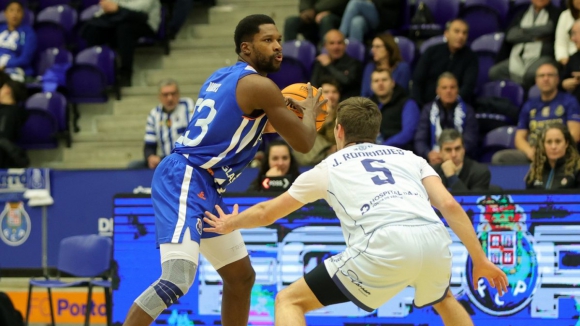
pixel 14 224
pixel 507 243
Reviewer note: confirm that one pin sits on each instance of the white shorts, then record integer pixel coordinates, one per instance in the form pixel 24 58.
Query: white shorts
pixel 397 256
pixel 219 251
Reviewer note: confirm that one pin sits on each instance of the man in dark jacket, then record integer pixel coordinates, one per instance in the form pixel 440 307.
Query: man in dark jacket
pixel 400 115
pixel 448 110
pixel 338 65
pixel 454 57
pixel 457 172
pixel 528 43
pixel 12 117
pixel 316 18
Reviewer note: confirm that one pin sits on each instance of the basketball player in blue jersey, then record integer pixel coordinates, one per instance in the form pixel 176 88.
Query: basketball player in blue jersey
pixel 382 196
pixel 234 106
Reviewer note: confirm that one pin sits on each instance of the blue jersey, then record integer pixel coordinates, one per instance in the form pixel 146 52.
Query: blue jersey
pixel 219 136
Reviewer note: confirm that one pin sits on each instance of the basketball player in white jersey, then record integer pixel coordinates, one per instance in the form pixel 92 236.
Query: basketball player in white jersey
pixel 383 197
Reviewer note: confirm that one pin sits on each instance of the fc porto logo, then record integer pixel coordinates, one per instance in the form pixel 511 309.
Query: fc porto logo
pixel 507 243
pixel 14 224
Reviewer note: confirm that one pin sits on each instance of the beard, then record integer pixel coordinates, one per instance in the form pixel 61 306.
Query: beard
pixel 267 64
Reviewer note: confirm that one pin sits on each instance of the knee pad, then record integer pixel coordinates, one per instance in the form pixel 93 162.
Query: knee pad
pixel 176 278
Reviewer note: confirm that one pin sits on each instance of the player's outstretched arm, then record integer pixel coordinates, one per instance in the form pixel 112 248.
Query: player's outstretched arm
pixel 460 224
pixel 262 214
pixel 258 93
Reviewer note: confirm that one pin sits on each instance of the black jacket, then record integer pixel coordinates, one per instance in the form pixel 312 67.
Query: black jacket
pixel 559 179
pixel 347 71
pixel 473 176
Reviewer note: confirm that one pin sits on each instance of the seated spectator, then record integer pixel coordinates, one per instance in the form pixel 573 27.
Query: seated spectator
pixel 556 163
pixel 17 43
pixel 400 114
pixel 316 18
pixel 454 57
pixel 165 124
pixel 278 168
pixel 457 172
pixel 362 16
pixel 571 73
pixel 564 48
pixel 324 144
pixel 529 41
pixel 447 111
pixel 12 118
pixel 120 24
pixel 552 106
pixel 386 55
pixel 337 65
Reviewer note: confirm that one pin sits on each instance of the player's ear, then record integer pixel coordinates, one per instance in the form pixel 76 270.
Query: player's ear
pixel 245 48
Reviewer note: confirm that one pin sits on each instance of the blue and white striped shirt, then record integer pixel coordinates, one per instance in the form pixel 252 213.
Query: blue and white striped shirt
pixel 164 128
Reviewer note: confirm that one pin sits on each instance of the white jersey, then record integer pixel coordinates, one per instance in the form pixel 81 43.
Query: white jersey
pixel 369 186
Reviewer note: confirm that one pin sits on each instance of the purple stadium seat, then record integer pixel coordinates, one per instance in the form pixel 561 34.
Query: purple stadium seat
pixel 406 23
pixel 356 50
pixel 87 3
pixel 488 43
pixel 49 3
pixel 407 48
pixel 39 131
pixel 89 12
pixel 481 19
pixel 53 102
pixel 50 35
pixel 50 56
pixel 485 61
pixel 432 41
pixel 505 88
pixel 103 58
pixel 534 92
pixel 63 15
pixel 443 10
pixel 86 83
pixel 291 72
pixel 501 6
pixel 497 139
pixel 28 18
pixel 303 51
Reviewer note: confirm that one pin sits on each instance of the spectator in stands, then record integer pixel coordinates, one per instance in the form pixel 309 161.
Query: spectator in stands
pixel 454 57
pixel 571 73
pixel 400 114
pixel 337 65
pixel 324 144
pixel 564 47
pixel 120 24
pixel 552 106
pixel 12 118
pixel 278 164
pixel 386 55
pixel 457 172
pixel 448 110
pixel 316 18
pixel 17 43
pixel 529 41
pixel 165 124
pixel 556 163
pixel 363 16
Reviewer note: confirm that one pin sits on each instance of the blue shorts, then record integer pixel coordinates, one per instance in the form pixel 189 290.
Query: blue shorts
pixel 181 193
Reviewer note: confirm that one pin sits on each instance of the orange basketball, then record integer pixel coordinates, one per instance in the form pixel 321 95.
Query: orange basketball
pixel 299 92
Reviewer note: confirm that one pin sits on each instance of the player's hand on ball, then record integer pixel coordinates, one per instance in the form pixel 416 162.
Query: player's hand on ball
pixel 310 103
pixel 494 275
pixel 222 223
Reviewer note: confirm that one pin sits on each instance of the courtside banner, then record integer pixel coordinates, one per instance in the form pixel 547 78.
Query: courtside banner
pixel 69 307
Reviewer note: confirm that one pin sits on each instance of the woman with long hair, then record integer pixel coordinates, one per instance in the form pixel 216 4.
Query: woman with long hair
pixel 277 161
pixel 556 163
pixel 386 56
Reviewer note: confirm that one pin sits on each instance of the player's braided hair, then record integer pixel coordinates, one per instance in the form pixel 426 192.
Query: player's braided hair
pixel 248 27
